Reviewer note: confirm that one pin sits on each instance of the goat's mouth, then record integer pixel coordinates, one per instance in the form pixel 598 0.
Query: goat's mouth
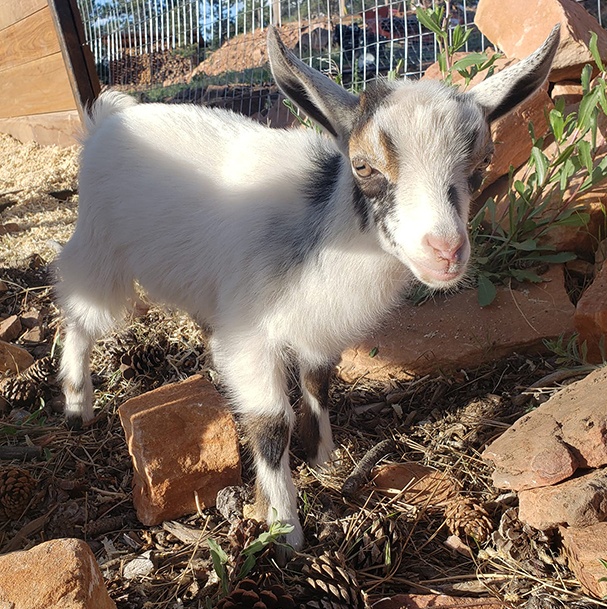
pixel 440 278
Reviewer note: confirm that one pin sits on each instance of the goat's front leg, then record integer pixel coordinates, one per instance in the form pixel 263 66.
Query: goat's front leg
pixel 314 424
pixel 257 380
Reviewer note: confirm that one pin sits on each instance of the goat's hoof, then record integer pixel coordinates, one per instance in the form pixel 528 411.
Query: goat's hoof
pixel 288 545
pixel 74 422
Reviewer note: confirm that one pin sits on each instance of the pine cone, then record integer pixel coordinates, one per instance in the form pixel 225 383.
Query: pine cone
pixel 331 584
pixel 373 542
pixel 17 488
pixel 119 344
pixel 250 595
pixel 243 531
pixel 466 518
pixel 25 389
pixel 142 360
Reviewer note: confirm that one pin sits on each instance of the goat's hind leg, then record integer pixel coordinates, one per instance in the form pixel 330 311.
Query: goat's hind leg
pixel 89 312
pixel 314 424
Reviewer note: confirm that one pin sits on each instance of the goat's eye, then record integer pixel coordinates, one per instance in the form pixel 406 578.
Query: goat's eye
pixel 486 161
pixel 362 168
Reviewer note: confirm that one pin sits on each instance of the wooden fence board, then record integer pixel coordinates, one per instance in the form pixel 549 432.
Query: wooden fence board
pixel 38 87
pixel 29 39
pixel 12 11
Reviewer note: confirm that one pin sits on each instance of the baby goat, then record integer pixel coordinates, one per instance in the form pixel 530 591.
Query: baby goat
pixel 289 244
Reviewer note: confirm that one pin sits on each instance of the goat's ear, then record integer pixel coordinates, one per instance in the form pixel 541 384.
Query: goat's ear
pixel 323 100
pixel 503 91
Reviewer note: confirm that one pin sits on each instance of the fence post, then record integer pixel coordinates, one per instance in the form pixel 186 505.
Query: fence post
pixel 276 14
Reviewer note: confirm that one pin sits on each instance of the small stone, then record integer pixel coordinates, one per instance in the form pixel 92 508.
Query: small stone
pixel 3 287
pixel 578 502
pixel 454 332
pixel 31 319
pixel 13 358
pixel 415 484
pixel 183 442
pixel 547 445
pixel 33 335
pixel 8 228
pixel 57 574
pixel 586 548
pixel 569 91
pixel 141 566
pixel 10 328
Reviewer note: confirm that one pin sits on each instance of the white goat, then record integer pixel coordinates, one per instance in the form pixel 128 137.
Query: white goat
pixel 289 244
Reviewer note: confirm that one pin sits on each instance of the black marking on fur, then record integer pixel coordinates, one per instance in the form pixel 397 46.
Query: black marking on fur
pixel 372 98
pixel 384 209
pixel 316 382
pixel 453 196
pixel 475 180
pixel 298 238
pixel 361 206
pixel 324 178
pixel 524 88
pixel 375 186
pixel 270 438
pixel 296 92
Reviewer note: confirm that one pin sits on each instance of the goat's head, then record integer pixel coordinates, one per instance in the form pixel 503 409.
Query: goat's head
pixel 417 150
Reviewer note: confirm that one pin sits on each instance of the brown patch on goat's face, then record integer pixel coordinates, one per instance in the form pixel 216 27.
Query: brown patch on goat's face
pixel 377 149
pixel 391 155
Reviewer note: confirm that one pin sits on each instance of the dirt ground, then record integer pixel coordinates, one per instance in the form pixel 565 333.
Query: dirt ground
pixel 386 545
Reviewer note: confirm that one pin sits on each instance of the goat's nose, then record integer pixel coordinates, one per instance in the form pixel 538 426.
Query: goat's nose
pixel 445 249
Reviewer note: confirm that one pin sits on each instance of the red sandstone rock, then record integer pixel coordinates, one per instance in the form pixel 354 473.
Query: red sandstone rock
pixel 10 328
pixel 440 601
pixel 570 91
pixel 578 502
pixel 57 574
pixel 13 358
pixel 415 484
pixel 534 21
pixel 454 332
pixel 183 442
pixel 585 548
pixel 549 444
pixel 590 318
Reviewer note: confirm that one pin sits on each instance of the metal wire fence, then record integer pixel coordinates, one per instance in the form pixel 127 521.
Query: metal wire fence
pixel 213 51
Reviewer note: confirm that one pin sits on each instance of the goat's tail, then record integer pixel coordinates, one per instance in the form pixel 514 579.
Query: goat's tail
pixel 108 103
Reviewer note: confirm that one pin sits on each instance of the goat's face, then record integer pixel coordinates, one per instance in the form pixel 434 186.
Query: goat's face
pixel 417 152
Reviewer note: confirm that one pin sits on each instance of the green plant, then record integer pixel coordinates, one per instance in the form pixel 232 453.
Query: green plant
pixel 570 352
pixel 450 41
pixel 248 556
pixel 510 243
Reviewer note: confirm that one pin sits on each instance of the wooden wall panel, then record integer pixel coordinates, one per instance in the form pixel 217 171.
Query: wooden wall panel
pixel 37 87
pixel 47 75
pixel 12 11
pixel 29 39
